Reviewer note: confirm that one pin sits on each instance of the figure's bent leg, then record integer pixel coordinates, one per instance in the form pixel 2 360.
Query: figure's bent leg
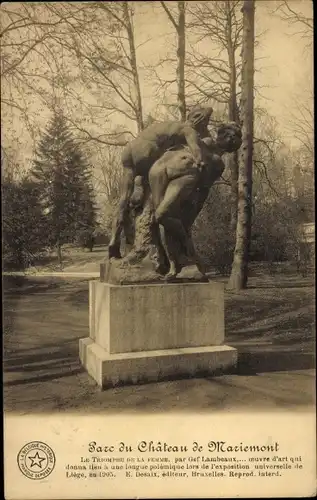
pixel 166 211
pixel 178 190
pixel 119 219
pixel 158 182
pixel 171 226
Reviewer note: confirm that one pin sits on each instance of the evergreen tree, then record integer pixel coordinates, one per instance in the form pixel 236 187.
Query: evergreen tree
pixel 22 229
pixel 64 186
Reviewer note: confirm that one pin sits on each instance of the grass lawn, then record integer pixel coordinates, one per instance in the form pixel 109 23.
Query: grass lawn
pixel 73 259
pixel 271 323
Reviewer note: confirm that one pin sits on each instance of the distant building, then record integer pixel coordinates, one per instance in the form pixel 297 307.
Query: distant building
pixel 308 232
pixel 307 242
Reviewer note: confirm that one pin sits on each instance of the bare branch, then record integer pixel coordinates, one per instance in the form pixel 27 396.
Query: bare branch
pixel 290 15
pixel 170 16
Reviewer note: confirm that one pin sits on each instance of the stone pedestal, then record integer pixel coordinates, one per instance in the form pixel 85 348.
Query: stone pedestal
pixel 151 332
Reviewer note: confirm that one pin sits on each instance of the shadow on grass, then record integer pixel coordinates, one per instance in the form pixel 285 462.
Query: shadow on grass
pixel 279 318
pixel 36 316
pixel 78 297
pixel 44 377
pixel 273 329
pixel 263 361
pixel 280 281
pixel 288 284
pixel 48 362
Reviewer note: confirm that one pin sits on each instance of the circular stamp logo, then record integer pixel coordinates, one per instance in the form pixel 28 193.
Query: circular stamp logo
pixel 36 460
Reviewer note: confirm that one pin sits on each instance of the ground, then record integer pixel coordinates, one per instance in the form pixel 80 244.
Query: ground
pixel 73 259
pixel 271 324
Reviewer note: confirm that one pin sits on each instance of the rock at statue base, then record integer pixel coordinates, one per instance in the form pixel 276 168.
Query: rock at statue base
pixel 120 272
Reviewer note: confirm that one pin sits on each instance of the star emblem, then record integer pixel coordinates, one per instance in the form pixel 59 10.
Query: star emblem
pixel 37 460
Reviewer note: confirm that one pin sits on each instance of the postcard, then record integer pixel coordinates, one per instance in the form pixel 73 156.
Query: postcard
pixel 158 249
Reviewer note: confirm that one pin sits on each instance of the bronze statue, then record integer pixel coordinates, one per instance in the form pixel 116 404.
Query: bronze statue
pixel 180 187
pixel 164 208
pixel 141 153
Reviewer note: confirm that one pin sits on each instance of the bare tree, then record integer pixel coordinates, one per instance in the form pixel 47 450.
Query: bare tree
pixel 212 68
pixel 179 26
pixel 107 65
pixel 301 21
pixel 268 147
pixel 214 75
pixel 108 174
pixel 40 46
pixel 29 61
pixel 80 57
pixel 239 273
pixel 299 17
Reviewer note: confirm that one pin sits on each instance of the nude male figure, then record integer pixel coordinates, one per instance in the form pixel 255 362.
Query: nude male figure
pixel 179 189
pixel 141 153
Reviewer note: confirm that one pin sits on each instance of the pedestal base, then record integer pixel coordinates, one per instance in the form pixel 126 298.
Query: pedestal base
pixel 110 370
pixel 156 317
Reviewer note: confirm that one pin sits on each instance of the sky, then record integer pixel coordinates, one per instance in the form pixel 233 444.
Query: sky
pixel 284 65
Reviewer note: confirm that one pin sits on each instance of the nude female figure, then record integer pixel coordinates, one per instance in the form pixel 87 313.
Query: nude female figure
pixel 180 187
pixel 141 153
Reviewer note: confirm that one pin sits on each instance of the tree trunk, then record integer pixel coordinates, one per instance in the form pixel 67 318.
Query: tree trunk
pixel 138 105
pixel 233 115
pixel 181 102
pixel 179 26
pixel 59 253
pixel 239 273
pixel 233 164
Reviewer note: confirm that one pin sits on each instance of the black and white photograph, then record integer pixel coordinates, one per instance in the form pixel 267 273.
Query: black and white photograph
pixel 158 249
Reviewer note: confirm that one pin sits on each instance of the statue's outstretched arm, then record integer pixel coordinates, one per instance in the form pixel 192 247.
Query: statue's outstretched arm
pixel 193 140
